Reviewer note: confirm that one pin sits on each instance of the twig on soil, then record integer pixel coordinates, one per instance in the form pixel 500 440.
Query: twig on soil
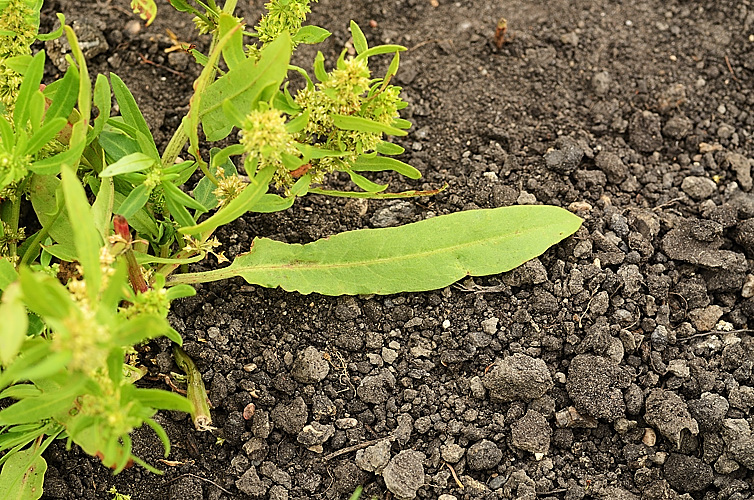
pixel 727 63
pixel 455 476
pixel 144 60
pixel 667 204
pixel 355 447
pixel 188 474
pixel 713 332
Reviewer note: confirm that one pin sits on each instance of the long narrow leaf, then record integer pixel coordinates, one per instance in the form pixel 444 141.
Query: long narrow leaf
pixel 425 255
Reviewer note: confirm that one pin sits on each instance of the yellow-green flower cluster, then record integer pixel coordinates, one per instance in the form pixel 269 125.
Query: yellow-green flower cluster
pixel 13 168
pixel 15 18
pixel 282 15
pixel 265 138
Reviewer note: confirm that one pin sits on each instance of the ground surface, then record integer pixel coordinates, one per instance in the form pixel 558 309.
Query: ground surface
pixel 592 372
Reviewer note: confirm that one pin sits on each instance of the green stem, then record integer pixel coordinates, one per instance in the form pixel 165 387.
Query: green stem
pixel 195 391
pixel 203 277
pixel 15 217
pixel 167 269
pixel 174 147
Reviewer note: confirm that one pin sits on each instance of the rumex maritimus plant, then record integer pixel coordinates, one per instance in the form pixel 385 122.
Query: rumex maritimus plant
pixel 94 275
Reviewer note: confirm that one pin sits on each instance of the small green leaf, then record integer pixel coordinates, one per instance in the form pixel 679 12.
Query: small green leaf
pixel 233 50
pixel 103 102
pixel 85 234
pixel 162 400
pixel 269 203
pixel 15 323
pixel 366 184
pixel 43 37
pixel 44 134
pixel 134 201
pixel 29 87
pixel 425 255
pixel 135 162
pixel 173 192
pixel 132 116
pixel 45 406
pixel 359 40
pixel 380 49
pixel 297 124
pixel 311 34
pixel 380 163
pixel 239 206
pixel 319 67
pixel 22 477
pixel 66 92
pixel 388 148
pixel 102 208
pixel 360 124
pixel 8 273
pixel 244 85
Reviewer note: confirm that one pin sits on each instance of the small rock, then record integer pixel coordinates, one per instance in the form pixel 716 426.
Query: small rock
pixel 742 167
pixel 374 389
pixel 315 434
pixel 601 81
pixel 405 474
pixel 614 168
pixel 393 215
pixel 483 455
pixel 525 198
pixel 520 486
pixel 291 417
pixel 251 485
pixel 742 450
pixel 518 378
pixel 747 290
pixel 704 319
pixel 668 413
pixel 566 158
pixel 594 384
pixel 687 473
pixel 532 433
pixel 678 127
pixel 451 453
pixel 489 325
pixel 477 387
pixel 570 417
pixel 310 367
pixel 698 188
pixel 374 458
pixel 649 438
pixel 644 131
pixel 690 242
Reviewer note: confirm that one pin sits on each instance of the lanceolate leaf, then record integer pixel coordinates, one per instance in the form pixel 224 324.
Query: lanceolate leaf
pixel 425 255
pixel 23 475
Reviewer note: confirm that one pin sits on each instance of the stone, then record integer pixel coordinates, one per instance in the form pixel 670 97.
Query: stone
pixel 698 188
pixel 483 455
pixel 687 473
pixel 315 435
pixel 452 452
pixel 566 158
pixel 668 413
pixel 704 319
pixel 532 433
pixel 614 168
pixel 741 165
pixel 310 367
pixel 374 389
pixel 518 378
pixel 404 475
pixel 677 127
pixel 697 242
pixel 374 458
pixel 594 385
pixel 250 483
pixel 644 131
pixel 742 450
pixel 291 417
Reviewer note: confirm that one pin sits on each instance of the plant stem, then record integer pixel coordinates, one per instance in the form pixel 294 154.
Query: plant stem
pixel 195 391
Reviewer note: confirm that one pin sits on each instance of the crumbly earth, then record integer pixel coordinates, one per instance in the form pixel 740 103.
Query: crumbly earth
pixel 632 334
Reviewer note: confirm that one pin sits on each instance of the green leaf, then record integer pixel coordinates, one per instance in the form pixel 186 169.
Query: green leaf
pixel 15 323
pixel 44 134
pixel 23 475
pixel 425 255
pixel 65 94
pixel 238 206
pixel 311 35
pixel 244 86
pixel 135 162
pixel 162 400
pixel 53 34
pixel 173 192
pixel 102 208
pixel 233 50
pixel 85 235
pixel 379 164
pixel 366 184
pixel 359 40
pixel 269 203
pixel 132 116
pixel 380 49
pixel 49 208
pixel 117 144
pixel 360 124
pixel 388 148
pixel 319 67
pixel 134 201
pixel 45 406
pixel 8 273
pixel 103 102
pixel 29 87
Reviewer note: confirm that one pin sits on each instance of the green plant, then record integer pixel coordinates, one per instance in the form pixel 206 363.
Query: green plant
pixel 77 297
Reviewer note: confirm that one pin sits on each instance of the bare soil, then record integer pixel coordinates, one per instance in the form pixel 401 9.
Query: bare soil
pixel 616 366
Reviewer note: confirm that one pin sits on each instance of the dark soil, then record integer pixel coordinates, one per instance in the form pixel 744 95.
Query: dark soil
pixel 616 366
